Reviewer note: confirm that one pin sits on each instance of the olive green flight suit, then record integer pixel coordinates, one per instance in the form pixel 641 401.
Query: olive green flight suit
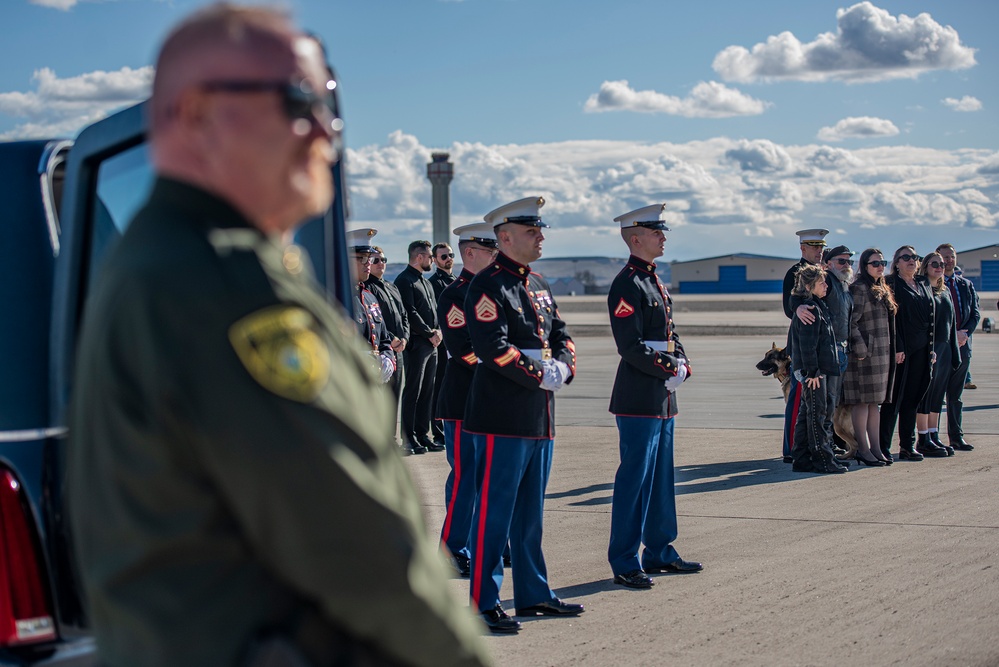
pixel 232 469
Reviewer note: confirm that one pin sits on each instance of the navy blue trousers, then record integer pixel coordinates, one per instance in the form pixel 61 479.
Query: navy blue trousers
pixel 510 504
pixel 459 489
pixel 644 509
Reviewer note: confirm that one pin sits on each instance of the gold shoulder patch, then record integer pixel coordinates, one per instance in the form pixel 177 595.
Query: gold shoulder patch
pixel 280 348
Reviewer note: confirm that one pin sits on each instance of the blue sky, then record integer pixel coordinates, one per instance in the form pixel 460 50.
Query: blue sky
pixel 876 120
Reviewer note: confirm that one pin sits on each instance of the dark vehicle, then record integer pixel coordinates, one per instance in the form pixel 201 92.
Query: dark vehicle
pixel 63 206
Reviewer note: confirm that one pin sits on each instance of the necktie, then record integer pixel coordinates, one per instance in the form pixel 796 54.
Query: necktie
pixel 952 284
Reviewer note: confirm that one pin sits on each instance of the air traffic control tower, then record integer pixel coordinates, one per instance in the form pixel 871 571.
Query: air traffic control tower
pixel 440 172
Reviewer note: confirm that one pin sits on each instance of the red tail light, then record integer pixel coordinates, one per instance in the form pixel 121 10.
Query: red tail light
pixel 25 616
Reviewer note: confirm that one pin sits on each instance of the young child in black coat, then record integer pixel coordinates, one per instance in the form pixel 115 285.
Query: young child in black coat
pixel 813 358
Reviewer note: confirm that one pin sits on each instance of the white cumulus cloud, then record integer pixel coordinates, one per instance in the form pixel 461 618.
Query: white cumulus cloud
pixel 716 191
pixel 59 107
pixel 708 99
pixel 869 45
pixel 966 103
pixel 858 127
pixel 760 155
pixel 64 5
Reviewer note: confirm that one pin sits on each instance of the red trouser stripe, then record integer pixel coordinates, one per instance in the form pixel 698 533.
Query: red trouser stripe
pixel 456 448
pixel 794 414
pixel 481 531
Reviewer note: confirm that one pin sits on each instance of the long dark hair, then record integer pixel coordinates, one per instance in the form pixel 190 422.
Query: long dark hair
pixel 879 288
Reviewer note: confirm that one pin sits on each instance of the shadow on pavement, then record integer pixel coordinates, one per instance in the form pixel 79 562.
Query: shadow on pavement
pixel 703 479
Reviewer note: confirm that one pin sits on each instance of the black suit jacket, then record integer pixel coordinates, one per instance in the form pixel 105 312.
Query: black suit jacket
pixel 970 314
pixel 440 280
pixel 421 306
pixel 393 309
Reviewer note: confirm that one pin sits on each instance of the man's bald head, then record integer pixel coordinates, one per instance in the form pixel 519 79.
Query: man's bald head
pixel 219 42
pixel 226 114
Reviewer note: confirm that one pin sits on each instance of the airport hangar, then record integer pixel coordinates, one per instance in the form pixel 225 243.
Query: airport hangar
pixel 745 273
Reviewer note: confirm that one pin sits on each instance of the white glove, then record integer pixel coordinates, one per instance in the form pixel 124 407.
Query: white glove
pixel 388 366
pixel 556 373
pixel 681 375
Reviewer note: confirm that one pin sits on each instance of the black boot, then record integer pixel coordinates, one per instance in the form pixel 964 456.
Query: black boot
pixel 935 439
pixel 927 447
pixel 825 461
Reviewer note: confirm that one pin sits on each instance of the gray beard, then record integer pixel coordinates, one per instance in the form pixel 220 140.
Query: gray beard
pixel 844 275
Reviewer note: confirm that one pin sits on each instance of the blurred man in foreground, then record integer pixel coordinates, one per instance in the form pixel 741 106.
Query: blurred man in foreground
pixel 236 495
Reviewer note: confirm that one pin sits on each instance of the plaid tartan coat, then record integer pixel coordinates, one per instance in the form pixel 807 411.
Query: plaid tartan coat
pixel 872 336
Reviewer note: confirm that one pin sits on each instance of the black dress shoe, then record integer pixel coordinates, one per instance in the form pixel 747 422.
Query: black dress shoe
pixel 803 466
pixel 499 622
pixel 634 579
pixel 413 447
pixel 788 459
pixel 552 608
pixel 933 452
pixel 677 567
pixel 962 445
pixel 459 564
pixel 875 463
pixel 909 455
pixel 431 446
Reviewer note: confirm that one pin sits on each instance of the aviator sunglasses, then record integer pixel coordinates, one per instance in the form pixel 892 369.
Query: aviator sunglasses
pixel 299 101
pixel 446 255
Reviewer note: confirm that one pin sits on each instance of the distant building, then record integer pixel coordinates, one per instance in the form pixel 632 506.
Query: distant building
pixel 981 267
pixel 741 273
pixel 567 287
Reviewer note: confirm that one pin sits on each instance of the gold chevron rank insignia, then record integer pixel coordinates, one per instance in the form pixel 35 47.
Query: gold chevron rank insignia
pixel 281 350
pixel 485 309
pixel 455 317
pixel 624 309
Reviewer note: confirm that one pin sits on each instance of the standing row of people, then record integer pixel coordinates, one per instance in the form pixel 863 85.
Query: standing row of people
pixel 405 314
pixel 903 343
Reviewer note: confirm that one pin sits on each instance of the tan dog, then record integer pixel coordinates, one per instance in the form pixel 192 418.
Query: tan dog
pixel 777 362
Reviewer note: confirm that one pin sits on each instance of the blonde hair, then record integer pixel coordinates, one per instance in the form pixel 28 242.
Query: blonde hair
pixel 937 286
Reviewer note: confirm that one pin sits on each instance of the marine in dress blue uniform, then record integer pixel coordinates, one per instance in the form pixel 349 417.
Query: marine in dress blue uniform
pixel 477 247
pixel 526 357
pixel 643 400
pixel 367 311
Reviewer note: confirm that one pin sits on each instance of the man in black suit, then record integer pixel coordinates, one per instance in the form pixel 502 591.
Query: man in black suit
pixel 394 312
pixel 965 299
pixel 421 352
pixel 443 276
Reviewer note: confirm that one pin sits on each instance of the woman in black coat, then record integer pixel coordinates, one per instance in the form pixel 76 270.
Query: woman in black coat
pixel 946 357
pixel 913 344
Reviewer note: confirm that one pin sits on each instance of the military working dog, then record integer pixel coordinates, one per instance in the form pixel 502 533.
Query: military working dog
pixel 777 363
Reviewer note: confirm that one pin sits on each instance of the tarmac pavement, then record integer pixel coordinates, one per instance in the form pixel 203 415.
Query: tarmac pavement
pixel 880 566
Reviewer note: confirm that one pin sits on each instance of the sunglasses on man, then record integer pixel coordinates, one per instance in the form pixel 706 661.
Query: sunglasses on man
pixel 844 262
pixel 445 255
pixel 299 100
